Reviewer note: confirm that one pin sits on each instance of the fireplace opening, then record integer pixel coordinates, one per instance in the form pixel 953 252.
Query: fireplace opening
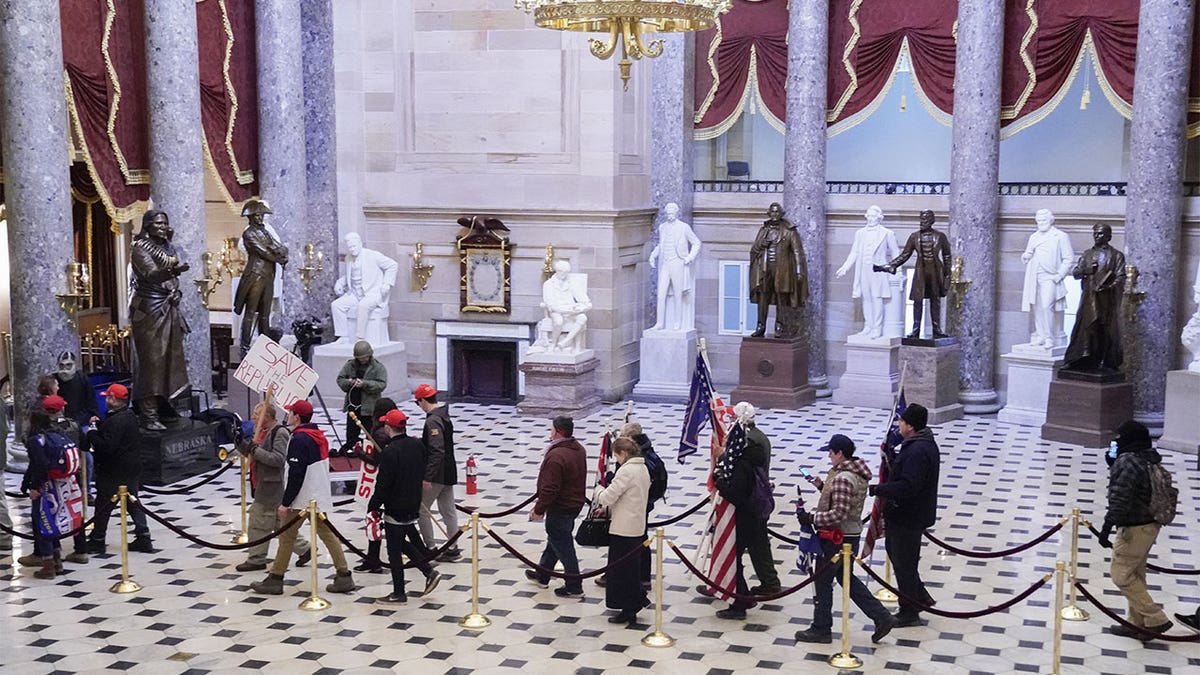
pixel 483 371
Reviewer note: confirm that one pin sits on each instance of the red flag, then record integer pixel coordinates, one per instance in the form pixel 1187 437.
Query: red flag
pixel 602 467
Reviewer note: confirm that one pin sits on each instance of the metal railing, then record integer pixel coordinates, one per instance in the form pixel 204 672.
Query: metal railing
pixel 1106 189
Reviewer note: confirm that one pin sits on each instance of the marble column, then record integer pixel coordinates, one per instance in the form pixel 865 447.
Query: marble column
pixel 282 174
pixel 1154 204
pixel 672 120
pixel 804 165
pixel 177 158
pixel 974 199
pixel 320 133
pixel 37 190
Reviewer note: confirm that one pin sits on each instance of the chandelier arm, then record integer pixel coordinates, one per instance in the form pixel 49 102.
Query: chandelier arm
pixel 653 50
pixel 632 29
pixel 601 49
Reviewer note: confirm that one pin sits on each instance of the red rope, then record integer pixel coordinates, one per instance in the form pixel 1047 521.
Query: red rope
pixel 208 544
pixel 562 575
pixel 995 554
pixel 433 554
pixel 1137 629
pixel 958 615
pixel 748 598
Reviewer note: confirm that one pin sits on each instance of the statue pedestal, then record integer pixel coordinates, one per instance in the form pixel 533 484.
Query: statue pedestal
pixel 187 448
pixel 667 359
pixel 1086 410
pixel 560 384
pixel 931 376
pixel 872 373
pixel 328 360
pixel 773 374
pixel 1030 370
pixel 1180 430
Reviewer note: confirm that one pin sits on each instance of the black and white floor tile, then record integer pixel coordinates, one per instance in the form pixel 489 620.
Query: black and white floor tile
pixel 1001 486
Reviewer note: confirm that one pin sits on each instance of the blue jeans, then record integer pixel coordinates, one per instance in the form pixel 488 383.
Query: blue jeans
pixel 823 594
pixel 560 546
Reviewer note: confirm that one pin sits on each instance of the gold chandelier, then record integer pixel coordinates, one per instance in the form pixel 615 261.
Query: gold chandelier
pixel 626 22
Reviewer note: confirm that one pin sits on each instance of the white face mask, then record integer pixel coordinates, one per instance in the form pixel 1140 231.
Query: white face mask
pixel 66 366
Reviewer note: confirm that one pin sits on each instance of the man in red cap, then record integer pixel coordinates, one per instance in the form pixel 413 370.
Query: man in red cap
pixel 307 480
pixel 117 444
pixel 441 471
pixel 55 407
pixel 398 494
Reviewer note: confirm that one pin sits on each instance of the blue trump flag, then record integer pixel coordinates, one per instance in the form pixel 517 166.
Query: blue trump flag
pixel 699 408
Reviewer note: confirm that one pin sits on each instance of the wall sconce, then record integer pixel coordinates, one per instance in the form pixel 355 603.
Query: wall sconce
pixel 78 293
pixel 211 279
pixel 420 269
pixel 957 282
pixel 548 262
pixel 232 259
pixel 314 263
pixel 1132 294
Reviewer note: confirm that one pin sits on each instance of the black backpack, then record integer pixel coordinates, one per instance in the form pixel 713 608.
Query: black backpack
pixel 658 476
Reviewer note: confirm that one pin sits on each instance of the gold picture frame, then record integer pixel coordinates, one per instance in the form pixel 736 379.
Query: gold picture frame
pixel 485 266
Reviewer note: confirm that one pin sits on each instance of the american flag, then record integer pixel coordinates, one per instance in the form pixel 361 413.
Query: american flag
pixel 891 441
pixel 699 409
pixel 722 563
pixel 605 453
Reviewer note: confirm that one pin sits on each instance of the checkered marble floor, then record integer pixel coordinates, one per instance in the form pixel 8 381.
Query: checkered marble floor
pixel 1001 486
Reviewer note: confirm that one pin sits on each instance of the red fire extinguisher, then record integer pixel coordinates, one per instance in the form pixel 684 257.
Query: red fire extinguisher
pixel 472 472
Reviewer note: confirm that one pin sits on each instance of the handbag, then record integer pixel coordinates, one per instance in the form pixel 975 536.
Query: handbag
pixel 593 531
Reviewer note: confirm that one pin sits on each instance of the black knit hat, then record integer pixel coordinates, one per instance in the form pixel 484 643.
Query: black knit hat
pixel 916 415
pixel 1131 432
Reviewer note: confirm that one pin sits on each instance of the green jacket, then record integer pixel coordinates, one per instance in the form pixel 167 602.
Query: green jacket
pixel 374 381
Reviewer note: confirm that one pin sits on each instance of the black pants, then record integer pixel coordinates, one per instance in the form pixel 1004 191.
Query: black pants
pixel 762 560
pixel 104 510
pixel 352 432
pixel 904 550
pixel 742 588
pixel 823 590
pixel 404 540
pixel 624 588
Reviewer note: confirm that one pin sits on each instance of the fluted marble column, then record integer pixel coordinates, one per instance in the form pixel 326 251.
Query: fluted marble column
pixel 974 202
pixel 320 133
pixel 1154 204
pixel 672 120
pixel 177 158
pixel 281 139
pixel 804 165
pixel 37 189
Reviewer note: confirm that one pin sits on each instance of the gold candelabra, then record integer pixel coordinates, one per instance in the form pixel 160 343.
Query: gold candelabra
pixel 548 261
pixel 957 282
pixel 421 270
pixel 207 284
pixel 78 292
pixel 1132 294
pixel 231 259
pixel 314 264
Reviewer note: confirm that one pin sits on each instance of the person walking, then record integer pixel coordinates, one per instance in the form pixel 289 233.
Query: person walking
pixel 372 563
pixel 736 476
pixel 561 491
pixel 267 453
pixel 117 444
pixel 625 498
pixel 441 469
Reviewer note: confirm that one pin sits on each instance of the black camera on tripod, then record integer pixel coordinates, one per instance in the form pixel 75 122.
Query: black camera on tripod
pixel 309 333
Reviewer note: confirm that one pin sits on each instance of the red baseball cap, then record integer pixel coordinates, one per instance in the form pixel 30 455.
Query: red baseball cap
pixel 116 390
pixel 300 407
pixel 395 418
pixel 424 391
pixel 53 403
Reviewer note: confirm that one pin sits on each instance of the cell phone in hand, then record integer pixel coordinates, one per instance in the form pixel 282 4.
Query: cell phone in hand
pixel 807 475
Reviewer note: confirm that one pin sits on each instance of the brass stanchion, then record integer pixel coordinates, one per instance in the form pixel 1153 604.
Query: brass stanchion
pixel 658 638
pixel 474 620
pixel 883 594
pixel 314 602
pixel 844 659
pixel 1073 612
pixel 125 585
pixel 243 473
pixel 1060 573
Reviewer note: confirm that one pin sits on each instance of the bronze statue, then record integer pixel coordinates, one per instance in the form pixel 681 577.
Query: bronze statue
pixel 932 277
pixel 778 273
pixel 159 364
pixel 257 286
pixel 1096 339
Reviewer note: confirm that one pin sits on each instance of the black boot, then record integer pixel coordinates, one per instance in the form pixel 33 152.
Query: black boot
pixel 935 312
pixel 148 415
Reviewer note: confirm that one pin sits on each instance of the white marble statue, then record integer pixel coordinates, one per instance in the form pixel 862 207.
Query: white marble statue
pixel 1191 332
pixel 565 301
pixel 677 248
pixel 361 310
pixel 1048 258
pixel 874 244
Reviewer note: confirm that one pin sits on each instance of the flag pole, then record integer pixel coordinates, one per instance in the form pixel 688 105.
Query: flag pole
pixel 896 399
pixel 710 522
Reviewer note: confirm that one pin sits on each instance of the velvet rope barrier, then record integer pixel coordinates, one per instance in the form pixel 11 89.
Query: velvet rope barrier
pixel 68 535
pixel 182 490
pixel 498 514
pixel 208 544
pixel 782 538
pixel 675 519
pixel 15 495
pixel 433 554
pixel 561 575
pixel 958 615
pixel 1137 629
pixel 1149 565
pixel 748 598
pixel 996 554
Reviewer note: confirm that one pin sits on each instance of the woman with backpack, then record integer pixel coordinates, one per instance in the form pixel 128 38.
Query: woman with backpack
pixel 625 498
pixel 53 492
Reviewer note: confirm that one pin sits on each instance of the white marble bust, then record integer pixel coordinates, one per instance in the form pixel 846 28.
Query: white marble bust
pixel 1048 258
pixel 1191 332
pixel 565 301
pixel 874 244
pixel 361 310
pixel 677 249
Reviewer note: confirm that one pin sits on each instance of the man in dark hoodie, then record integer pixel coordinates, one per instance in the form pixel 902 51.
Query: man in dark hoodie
pixel 911 493
pixel 1130 514
pixel 840 508
pixel 561 490
pixel 736 485
pixel 117 443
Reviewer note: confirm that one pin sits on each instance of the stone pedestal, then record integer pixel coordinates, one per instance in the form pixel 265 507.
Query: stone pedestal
pixel 328 360
pixel 1181 432
pixel 667 359
pixel 1085 411
pixel 930 370
pixel 773 374
pixel 560 385
pixel 187 448
pixel 872 373
pixel 1030 370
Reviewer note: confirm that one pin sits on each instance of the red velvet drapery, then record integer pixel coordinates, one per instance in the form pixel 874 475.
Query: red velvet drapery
pixel 104 58
pixel 743 59
pixel 229 94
